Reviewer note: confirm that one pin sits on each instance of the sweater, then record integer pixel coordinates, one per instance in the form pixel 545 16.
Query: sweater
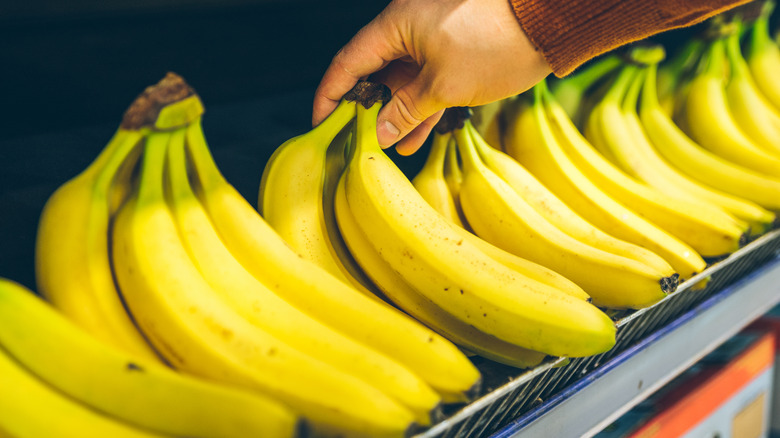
pixel 570 32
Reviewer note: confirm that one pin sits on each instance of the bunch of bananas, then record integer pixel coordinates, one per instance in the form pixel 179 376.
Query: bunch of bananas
pixel 153 252
pixel 340 201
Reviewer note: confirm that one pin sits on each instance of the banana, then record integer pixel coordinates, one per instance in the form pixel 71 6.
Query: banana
pixel 25 398
pixel 427 251
pixel 321 295
pixel 454 176
pixel 291 197
pixel 571 90
pixel 711 122
pixel 763 56
pixel 259 305
pixel 72 266
pixel 708 230
pixel 752 112
pixel 744 193
pixel 420 307
pixel 530 141
pixel 503 217
pixel 199 333
pixel 672 72
pixel 556 211
pixel 130 388
pixel 431 183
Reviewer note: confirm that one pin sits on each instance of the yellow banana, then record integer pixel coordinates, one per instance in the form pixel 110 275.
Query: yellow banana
pixel 129 388
pixel 319 294
pixel 72 253
pixel 708 230
pixel 697 170
pixel 712 124
pixel 555 211
pixel 195 330
pixel 763 56
pixel 427 251
pixel 26 399
pixel 431 183
pixel 255 302
pixel 530 141
pixel 418 305
pixel 752 112
pixel 503 217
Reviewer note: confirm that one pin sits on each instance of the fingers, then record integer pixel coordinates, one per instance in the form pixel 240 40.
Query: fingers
pixel 372 48
pixel 415 139
pixel 410 106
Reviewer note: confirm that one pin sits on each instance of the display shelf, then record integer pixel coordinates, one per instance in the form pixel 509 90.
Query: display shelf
pixel 579 397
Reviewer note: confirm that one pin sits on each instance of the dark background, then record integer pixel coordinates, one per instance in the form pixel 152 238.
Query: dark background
pixel 69 69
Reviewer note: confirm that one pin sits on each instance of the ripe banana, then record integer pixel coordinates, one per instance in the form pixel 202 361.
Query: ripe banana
pixel 428 252
pixel 763 56
pixel 712 123
pixel 319 294
pixel 696 170
pixel 709 231
pixel 195 330
pixel 72 252
pixel 129 388
pixel 556 211
pixel 752 112
pixel 418 305
pixel 431 183
pixel 25 398
pixel 503 217
pixel 291 196
pixel 255 302
pixel 530 140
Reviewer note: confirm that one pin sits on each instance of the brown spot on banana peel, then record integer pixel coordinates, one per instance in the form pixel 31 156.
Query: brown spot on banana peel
pixel 669 284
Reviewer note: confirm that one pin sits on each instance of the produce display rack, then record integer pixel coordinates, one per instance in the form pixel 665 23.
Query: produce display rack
pixel 580 396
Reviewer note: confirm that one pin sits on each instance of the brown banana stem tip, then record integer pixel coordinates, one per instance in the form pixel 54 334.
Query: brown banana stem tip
pixel 669 284
pixel 452 119
pixel 368 93
pixel 146 107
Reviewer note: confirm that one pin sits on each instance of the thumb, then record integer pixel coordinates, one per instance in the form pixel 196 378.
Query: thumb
pixel 410 105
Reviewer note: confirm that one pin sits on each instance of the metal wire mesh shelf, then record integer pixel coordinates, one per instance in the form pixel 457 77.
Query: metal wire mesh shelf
pixel 509 393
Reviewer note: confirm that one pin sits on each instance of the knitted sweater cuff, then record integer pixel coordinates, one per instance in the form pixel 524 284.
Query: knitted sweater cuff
pixel 570 32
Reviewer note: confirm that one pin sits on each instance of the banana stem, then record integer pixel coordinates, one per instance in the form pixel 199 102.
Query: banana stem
pixel 760 36
pixel 365 129
pixel 715 59
pixel 209 176
pixel 632 93
pixel 116 154
pixel 438 152
pixel 618 88
pixel 592 73
pixel 649 92
pixel 736 61
pixel 177 167
pixel 153 165
pixel 468 152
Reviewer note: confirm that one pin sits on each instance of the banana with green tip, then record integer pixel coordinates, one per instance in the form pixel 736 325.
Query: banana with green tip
pixel 743 192
pixel 255 302
pixel 319 294
pixel 531 141
pixel 429 253
pixel 710 231
pixel 199 333
pixel 129 388
pixel 763 56
pixel 571 91
pixel 753 113
pixel 712 123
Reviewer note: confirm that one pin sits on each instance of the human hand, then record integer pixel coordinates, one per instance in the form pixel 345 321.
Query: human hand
pixel 433 55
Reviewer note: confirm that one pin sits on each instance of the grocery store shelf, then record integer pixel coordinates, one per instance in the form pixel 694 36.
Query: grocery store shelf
pixel 601 396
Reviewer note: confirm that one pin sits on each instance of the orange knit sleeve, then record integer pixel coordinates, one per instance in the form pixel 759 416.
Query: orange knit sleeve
pixel 570 32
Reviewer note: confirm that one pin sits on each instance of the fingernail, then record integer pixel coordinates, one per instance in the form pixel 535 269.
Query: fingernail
pixel 386 133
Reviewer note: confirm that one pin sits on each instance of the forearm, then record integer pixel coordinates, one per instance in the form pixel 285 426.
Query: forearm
pixel 570 32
